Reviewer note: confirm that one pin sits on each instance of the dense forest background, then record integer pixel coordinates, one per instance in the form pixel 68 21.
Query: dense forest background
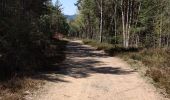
pixel 127 23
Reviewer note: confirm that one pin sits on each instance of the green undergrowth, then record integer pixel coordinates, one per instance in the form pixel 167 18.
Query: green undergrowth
pixel 154 62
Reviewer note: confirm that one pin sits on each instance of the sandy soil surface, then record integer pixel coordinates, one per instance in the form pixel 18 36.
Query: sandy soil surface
pixel 88 74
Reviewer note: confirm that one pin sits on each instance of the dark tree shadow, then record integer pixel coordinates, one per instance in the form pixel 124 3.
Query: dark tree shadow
pixel 78 50
pixel 81 67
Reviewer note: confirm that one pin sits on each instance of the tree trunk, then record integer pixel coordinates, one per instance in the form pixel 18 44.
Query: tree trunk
pixel 115 21
pixel 160 32
pixel 123 23
pixel 101 20
pixel 136 22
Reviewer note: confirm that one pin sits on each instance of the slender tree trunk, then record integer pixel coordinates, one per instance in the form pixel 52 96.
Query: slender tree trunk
pixel 115 20
pixel 101 20
pixel 127 24
pixel 136 22
pixel 160 32
pixel 123 23
pixel 130 21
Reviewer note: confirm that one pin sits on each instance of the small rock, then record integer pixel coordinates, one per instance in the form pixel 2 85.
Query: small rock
pixel 27 93
pixel 28 98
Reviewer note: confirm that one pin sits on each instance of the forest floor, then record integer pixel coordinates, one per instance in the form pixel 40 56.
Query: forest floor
pixel 88 74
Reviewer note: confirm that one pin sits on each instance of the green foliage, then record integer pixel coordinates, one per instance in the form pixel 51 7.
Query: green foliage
pixel 26 35
pixel 148 24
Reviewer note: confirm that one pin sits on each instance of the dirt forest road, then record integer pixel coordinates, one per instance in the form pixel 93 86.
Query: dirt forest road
pixel 88 74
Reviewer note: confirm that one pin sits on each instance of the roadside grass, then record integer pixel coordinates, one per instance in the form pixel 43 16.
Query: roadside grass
pixel 19 84
pixel 18 87
pixel 154 62
pixel 97 45
pixel 157 62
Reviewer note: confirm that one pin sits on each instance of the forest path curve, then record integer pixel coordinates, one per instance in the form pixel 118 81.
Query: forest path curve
pixel 88 74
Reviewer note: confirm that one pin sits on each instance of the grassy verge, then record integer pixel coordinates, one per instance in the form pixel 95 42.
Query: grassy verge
pixel 16 88
pixel 155 62
pixel 99 46
pixel 23 82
